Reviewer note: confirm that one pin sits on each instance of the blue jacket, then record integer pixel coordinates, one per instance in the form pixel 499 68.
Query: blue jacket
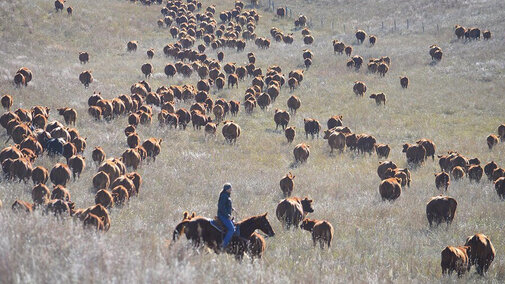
pixel 224 207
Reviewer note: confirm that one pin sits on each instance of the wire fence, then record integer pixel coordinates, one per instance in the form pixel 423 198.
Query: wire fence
pixel 390 25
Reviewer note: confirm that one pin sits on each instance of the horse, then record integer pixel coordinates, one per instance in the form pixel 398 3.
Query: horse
pixel 201 231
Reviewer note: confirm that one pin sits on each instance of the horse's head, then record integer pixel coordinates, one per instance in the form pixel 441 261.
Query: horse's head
pixel 264 225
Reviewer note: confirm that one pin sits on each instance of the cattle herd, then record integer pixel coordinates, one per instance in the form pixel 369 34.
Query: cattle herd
pixel 196 31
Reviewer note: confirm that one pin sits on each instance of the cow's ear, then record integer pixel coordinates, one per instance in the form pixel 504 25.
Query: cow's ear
pixel 193 215
pixel 185 214
pixel 264 215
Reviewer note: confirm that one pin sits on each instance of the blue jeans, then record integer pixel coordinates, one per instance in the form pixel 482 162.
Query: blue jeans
pixel 230 230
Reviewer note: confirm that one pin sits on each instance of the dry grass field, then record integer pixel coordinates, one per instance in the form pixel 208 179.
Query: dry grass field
pixel 456 103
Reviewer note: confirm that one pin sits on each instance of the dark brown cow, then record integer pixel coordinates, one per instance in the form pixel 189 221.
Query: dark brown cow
pixel 382 150
pixel 104 198
pixel 336 140
pixel 290 133
pixel 457 173
pixel 301 152
pixel 415 153
pixel 499 186
pixel 322 231
pixel 404 82
pixel 287 184
pixel 83 57
pixel 291 211
pixel 390 189
pixel 475 173
pixel 312 127
pixel 482 252
pixel 359 88
pixel 132 46
pixel 489 168
pixel 86 78
pixel 6 101
pixel 40 175
pixel 360 36
pixel 40 194
pixel 442 180
pixel 492 140
pixel 294 103
pixel 231 131
pixel 281 117
pixel 59 5
pixel 153 147
pixel 455 259
pixel 441 209
pixel 60 174
pixel 60 192
pixel 383 167
pixel 380 98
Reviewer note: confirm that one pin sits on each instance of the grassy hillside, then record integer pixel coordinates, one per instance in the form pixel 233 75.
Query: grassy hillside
pixel 456 103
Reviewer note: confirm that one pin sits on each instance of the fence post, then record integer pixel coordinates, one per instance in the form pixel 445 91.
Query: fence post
pixel 438 28
pixel 423 26
pixel 382 25
pixel 332 25
pixel 321 22
pixel 407 24
pixel 344 28
pixel 394 23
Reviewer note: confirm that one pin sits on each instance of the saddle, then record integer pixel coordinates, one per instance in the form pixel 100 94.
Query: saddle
pixel 216 223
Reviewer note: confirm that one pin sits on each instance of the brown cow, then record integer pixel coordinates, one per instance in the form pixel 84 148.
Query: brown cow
pixel 499 186
pixel 497 173
pixel 492 140
pixel 101 180
pixel 131 158
pixel 60 174
pixel 150 52
pixel 457 173
pixel 58 5
pixel 231 131
pixel 132 46
pixel 104 198
pixel 40 175
pixel 359 88
pixel 86 78
pixel 210 128
pixel 459 31
pixel 455 259
pixel 415 153
pixel 380 98
pixel 322 231
pixel 120 194
pixel 401 173
pixel 360 36
pixel 312 127
pixel 93 221
pixel 19 206
pixel 441 209
pixel 98 155
pixel 281 117
pixel 383 167
pixel 77 164
pixel 475 173
pixel 336 140
pixel 291 211
pixel 501 132
pixel 21 169
pixel 404 82
pixel 6 101
pixel 153 147
pixel 390 189
pixel 40 194
pixel 301 152
pixel 294 103
pixel 83 57
pixel 372 39
pixel 69 114
pixel 60 192
pixel 290 133
pixel 334 121
pixel 429 146
pixel 234 107
pixel 147 69
pixel 382 150
pixel 482 252
pixel 287 184
pixel 442 180
pixel 489 168
pixel 486 34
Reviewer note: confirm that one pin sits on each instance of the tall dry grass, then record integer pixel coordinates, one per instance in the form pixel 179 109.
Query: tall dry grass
pixel 457 103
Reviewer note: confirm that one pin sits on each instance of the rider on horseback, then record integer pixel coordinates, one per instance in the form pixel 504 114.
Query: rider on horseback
pixel 224 210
